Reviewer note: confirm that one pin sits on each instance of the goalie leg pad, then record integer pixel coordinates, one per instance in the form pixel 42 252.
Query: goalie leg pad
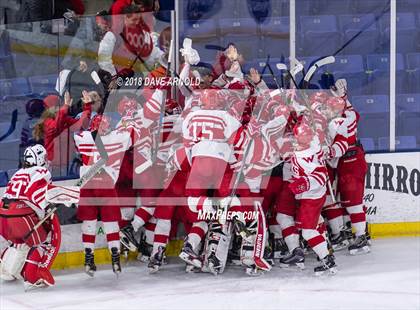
pixel 12 261
pixel 217 246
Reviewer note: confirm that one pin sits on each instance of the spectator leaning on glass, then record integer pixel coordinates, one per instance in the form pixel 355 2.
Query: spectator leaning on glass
pixel 54 120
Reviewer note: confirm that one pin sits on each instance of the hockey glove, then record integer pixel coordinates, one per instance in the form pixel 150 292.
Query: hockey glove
pixel 299 185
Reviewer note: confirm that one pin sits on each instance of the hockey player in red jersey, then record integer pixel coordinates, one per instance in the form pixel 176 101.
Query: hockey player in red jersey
pixel 98 196
pixel 351 172
pixel 24 204
pixel 300 208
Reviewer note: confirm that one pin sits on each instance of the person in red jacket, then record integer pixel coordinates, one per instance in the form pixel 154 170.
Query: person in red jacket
pixel 55 120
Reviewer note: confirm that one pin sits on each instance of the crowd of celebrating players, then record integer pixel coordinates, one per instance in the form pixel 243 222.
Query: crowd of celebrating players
pixel 258 177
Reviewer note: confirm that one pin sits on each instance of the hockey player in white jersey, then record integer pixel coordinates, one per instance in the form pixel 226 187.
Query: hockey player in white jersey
pixel 33 247
pixel 302 210
pixel 98 196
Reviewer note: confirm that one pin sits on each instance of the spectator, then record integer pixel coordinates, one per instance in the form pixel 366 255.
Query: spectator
pixel 35 10
pixel 82 76
pixel 55 120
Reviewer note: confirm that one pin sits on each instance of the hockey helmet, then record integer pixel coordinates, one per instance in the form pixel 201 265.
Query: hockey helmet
pixel 318 98
pixel 211 99
pixel 303 133
pixel 336 105
pixel 35 155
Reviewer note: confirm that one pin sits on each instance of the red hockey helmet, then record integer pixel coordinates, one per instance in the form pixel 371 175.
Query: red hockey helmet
pixel 336 105
pixel 303 133
pixel 318 98
pixel 101 123
pixel 127 104
pixel 210 99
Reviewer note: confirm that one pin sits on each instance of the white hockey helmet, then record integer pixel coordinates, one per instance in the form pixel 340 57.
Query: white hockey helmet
pixel 35 155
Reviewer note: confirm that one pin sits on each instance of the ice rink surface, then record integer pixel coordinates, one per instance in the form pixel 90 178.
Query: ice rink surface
pixel 387 278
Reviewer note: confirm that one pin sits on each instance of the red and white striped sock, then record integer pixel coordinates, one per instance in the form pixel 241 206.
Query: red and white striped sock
pixel 142 216
pixel 197 233
pixel 288 230
pixel 112 230
pixel 335 219
pixel 162 231
pixel 358 219
pixel 149 230
pixel 316 241
pixel 89 234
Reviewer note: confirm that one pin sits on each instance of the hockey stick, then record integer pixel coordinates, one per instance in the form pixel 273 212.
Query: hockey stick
pixel 12 126
pixel 37 225
pixel 244 156
pixel 96 167
pixel 315 66
pixel 162 106
pixel 268 66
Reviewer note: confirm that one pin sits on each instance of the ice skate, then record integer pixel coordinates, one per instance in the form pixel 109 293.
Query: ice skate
pixel 294 259
pixel 359 246
pixel 327 266
pixel 279 248
pixel 115 261
pixel 339 241
pixel 145 251
pixel 156 260
pixel 189 256
pixel 90 266
pixel 214 264
pixel 128 239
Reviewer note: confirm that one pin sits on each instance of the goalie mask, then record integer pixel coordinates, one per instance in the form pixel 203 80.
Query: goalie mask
pixel 35 155
pixel 100 123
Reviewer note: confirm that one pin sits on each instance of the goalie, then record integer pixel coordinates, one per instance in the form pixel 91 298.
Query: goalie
pixel 31 229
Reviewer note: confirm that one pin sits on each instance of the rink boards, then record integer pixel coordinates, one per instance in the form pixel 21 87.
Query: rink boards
pixel 392 198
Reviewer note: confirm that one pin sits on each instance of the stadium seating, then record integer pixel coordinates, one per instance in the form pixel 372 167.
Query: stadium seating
pixel 413 72
pixel 406 31
pixel 275 33
pixel 320 35
pixel 7 68
pixel 3 178
pixel 9 155
pixel 352 69
pixel 43 84
pixel 276 26
pixel 332 7
pixel 378 73
pixel 249 46
pixel 369 6
pixel 206 54
pixel 374 115
pixel 408 108
pixel 367 41
pixel 401 143
pixel 368 144
pixel 238 26
pixel 14 88
pixel 200 29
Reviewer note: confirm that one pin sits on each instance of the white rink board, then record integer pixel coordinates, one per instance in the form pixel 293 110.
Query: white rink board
pixel 392 187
